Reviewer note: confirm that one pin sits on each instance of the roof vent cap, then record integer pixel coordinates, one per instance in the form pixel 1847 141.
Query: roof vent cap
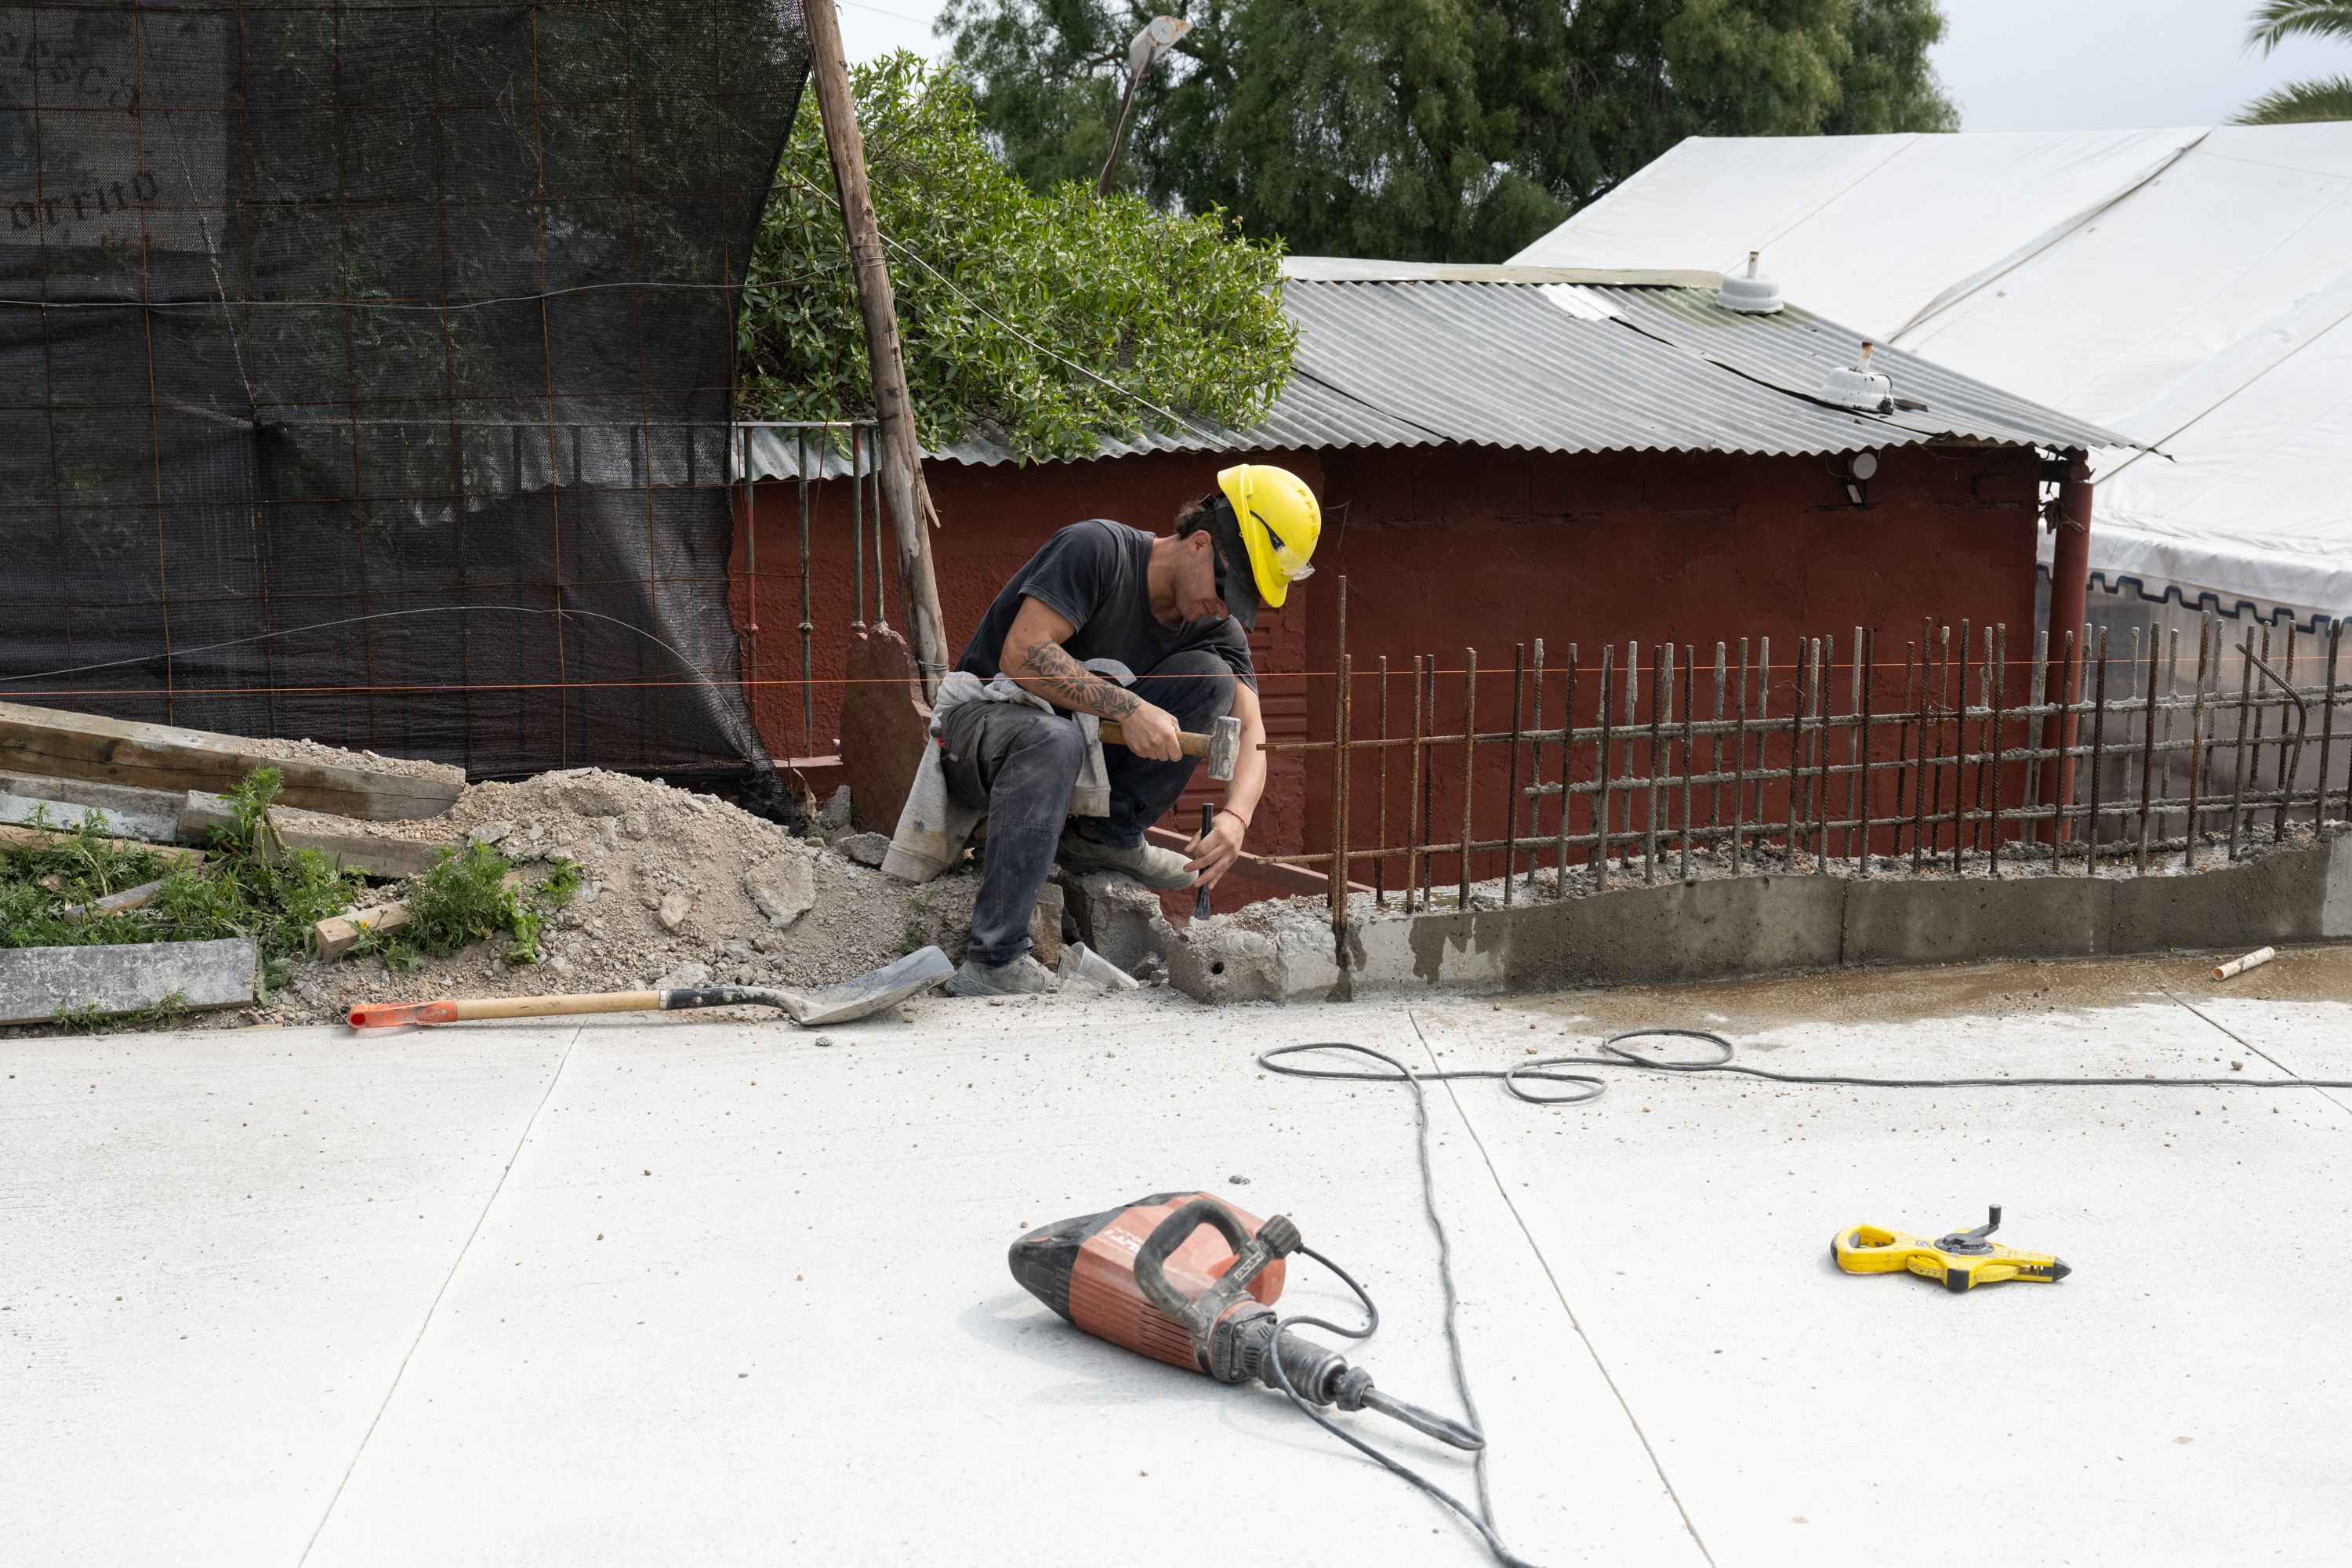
pixel 1754 295
pixel 1860 386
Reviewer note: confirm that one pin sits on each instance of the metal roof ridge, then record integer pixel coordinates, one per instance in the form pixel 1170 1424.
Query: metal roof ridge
pixel 1354 269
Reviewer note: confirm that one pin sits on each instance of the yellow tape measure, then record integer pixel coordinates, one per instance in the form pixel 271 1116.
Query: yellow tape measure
pixel 1961 1260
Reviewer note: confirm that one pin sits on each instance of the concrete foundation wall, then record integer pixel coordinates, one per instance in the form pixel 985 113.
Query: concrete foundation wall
pixel 1761 925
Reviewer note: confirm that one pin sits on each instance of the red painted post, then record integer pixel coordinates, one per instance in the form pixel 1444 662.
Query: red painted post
pixel 2070 587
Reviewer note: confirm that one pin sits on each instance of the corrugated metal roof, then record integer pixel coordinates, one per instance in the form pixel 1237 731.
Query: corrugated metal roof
pixel 1581 364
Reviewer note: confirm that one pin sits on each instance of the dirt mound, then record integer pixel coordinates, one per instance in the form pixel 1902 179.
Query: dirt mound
pixel 671 879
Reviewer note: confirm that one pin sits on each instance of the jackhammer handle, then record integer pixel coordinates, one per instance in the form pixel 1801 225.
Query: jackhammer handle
pixel 1173 1232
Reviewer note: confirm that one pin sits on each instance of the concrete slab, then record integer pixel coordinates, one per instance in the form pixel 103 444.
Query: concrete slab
pixel 1796 1409
pixel 743 1299
pixel 219 1248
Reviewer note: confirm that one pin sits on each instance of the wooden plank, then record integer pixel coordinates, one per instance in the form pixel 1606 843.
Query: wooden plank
pixel 336 838
pixel 136 898
pixel 37 838
pixel 337 936
pixel 1289 879
pixel 37 984
pixel 49 741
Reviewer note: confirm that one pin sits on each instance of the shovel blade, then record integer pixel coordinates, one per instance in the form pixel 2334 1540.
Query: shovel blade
pixel 869 993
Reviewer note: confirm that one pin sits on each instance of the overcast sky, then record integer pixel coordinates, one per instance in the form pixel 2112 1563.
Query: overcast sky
pixel 2013 65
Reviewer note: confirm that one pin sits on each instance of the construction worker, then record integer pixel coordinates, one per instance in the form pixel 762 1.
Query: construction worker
pixel 1163 619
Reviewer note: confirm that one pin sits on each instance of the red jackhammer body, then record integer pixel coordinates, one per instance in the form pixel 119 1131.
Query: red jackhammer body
pixel 1186 1279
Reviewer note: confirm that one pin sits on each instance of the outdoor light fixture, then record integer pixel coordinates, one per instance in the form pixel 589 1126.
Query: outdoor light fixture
pixel 1157 37
pixel 1858 470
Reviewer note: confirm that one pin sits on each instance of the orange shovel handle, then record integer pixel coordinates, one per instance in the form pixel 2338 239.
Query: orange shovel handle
pixel 390 1014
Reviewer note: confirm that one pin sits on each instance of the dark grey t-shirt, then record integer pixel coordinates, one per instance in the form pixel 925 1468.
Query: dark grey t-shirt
pixel 1095 575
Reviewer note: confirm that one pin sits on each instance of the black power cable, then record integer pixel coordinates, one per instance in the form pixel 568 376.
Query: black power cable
pixel 1516 1079
pixel 1482 1518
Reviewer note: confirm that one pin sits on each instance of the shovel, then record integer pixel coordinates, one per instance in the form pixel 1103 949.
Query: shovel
pixel 885 987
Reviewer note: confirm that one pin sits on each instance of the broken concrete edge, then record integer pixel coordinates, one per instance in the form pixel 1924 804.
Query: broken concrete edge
pixel 1731 928
pixel 37 984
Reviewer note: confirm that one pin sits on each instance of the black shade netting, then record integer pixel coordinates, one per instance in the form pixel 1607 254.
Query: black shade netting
pixel 364 369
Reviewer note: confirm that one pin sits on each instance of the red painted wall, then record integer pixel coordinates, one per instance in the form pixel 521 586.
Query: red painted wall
pixel 1466 546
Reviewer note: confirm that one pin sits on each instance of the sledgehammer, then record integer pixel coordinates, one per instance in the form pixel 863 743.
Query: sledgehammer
pixel 1222 745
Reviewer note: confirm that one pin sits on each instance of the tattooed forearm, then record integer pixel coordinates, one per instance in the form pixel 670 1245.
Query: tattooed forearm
pixel 1047 669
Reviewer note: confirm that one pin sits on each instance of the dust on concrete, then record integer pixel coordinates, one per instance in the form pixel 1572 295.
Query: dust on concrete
pixel 2004 989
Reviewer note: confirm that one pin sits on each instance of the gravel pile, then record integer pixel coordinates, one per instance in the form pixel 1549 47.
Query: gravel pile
pixel 681 889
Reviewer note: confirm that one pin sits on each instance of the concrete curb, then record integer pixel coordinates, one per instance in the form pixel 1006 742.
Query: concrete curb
pixel 1727 928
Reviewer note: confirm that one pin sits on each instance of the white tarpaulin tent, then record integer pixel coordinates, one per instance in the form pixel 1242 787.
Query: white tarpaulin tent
pixel 2190 289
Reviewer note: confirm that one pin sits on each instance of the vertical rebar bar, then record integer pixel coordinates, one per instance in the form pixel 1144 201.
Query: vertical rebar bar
pixel 1867 656
pixel 1380 834
pixel 1740 762
pixel 1469 748
pixel 2098 762
pixel 2171 699
pixel 808 628
pixel 1632 712
pixel 2147 754
pixel 1598 862
pixel 1511 786
pixel 1805 650
pixel 1566 773
pixel 1714 760
pixel 1535 767
pixel 2036 680
pixel 1817 787
pixel 2197 741
pixel 2287 767
pixel 2070 686
pixel 1987 747
pixel 1416 789
pixel 857 526
pixel 1343 696
pixel 2326 724
pixel 1689 746
pixel 1999 702
pixel 1856 739
pixel 1919 791
pixel 1959 751
pixel 1906 780
pixel 1662 677
pixel 2245 706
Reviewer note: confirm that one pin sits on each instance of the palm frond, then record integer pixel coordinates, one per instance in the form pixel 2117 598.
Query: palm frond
pixel 2275 21
pixel 2299 102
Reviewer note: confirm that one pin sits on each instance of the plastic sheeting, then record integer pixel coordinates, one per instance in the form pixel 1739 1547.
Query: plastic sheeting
pixel 2191 289
pixel 364 369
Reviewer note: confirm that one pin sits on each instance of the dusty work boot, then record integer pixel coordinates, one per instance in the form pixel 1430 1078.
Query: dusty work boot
pixel 1147 864
pixel 1025 976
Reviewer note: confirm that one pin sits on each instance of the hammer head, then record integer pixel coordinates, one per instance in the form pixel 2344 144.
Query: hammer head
pixel 1225 748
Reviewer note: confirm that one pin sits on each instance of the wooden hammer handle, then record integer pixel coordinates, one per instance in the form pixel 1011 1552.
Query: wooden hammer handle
pixel 1195 745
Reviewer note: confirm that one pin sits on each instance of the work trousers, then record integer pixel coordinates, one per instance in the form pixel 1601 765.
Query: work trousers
pixel 1018 762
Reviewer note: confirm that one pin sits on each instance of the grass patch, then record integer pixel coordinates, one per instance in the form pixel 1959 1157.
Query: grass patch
pixel 466 900
pixel 250 884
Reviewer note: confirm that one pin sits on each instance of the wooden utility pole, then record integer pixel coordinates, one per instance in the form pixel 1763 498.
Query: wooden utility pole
pixel 901 465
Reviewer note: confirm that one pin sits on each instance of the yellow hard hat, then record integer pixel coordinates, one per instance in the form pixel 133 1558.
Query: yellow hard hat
pixel 1279 521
